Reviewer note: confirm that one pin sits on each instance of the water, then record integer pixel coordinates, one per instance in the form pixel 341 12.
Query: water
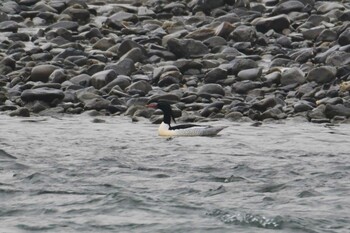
pixel 72 175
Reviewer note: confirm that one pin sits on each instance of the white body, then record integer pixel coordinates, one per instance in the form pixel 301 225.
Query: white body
pixel 205 130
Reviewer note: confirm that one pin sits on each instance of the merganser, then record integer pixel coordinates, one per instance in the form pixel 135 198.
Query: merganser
pixel 165 129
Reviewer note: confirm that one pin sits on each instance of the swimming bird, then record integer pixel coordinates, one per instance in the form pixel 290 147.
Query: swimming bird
pixel 165 128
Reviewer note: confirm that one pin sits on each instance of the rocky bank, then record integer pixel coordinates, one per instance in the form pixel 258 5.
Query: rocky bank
pixel 239 60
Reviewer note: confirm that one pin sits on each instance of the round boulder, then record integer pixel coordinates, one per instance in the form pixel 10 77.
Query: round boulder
pixel 323 74
pixel 42 72
pixel 293 75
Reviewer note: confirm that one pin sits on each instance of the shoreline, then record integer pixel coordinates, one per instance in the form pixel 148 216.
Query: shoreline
pixel 235 60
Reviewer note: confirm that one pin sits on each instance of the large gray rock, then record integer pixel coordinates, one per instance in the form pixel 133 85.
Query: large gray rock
pixel 102 78
pixel 293 75
pixel 215 75
pixel 337 110
pixel 277 23
pixel 211 89
pixel 42 72
pixel 83 80
pixel 323 74
pixel 141 87
pixel 287 7
pixel 44 94
pixel 344 37
pixel 187 48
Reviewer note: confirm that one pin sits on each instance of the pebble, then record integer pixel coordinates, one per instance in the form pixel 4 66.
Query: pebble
pixel 234 59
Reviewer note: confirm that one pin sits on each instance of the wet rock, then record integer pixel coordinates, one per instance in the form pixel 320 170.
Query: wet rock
pixel 303 106
pixel 83 80
pixel 69 25
pixel 124 66
pixel 266 103
pixel 9 26
pixel 104 44
pixel 245 86
pixel 207 5
pixel 212 108
pixel 337 110
pixel 211 89
pixel 287 7
pixel 42 73
pixel 344 37
pixel 292 76
pixel 215 75
pixel 277 23
pixel 250 74
pixel 101 78
pixel 240 64
pixel 141 87
pixel 96 104
pixel 170 77
pixel 274 113
pixel 45 94
pixel 244 33
pixel 187 48
pixel 21 112
pixel 323 74
pixel 327 35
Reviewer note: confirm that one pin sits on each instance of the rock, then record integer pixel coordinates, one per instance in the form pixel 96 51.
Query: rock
pixel 327 35
pixel 212 108
pixel 9 26
pixel 104 44
pixel 170 77
pixel 245 86
pixel 317 113
pixel 277 23
pixel 211 89
pixel 250 74
pixel 266 103
pixel 292 76
pixel 83 80
pixel 58 76
pixel 187 48
pixel 45 94
pixel 96 104
pixel 303 106
pixel 337 110
pixel 122 67
pixel 215 75
pixel 244 33
pixel 42 73
pixel 22 112
pixel 274 113
pixel 338 58
pixel 69 25
pixel 323 74
pixel 141 87
pixel 207 5
pixel 325 7
pixel 102 78
pixel 344 37
pixel 287 7
pixel 237 65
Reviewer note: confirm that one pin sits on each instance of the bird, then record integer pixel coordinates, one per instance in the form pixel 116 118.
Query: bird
pixel 165 128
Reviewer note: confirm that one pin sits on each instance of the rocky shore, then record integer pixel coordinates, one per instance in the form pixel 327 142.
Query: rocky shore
pixel 239 60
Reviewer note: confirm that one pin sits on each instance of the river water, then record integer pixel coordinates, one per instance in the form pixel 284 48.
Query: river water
pixel 70 174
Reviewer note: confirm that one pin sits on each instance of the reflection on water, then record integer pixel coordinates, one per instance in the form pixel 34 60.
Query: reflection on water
pixel 72 175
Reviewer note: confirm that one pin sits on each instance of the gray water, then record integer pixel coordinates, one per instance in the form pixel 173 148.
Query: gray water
pixel 72 175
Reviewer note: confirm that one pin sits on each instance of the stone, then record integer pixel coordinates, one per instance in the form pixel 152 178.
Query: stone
pixel 215 75
pixel 344 37
pixel 211 89
pixel 323 74
pixel 187 48
pixel 277 23
pixel 42 72
pixel 102 78
pixel 212 108
pixel 141 87
pixel 45 94
pixel 250 74
pixel 293 75
pixel 124 66
pixel 337 110
pixel 287 7
pixel 83 80
pixel 21 112
pixel 244 33
pixel 244 87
